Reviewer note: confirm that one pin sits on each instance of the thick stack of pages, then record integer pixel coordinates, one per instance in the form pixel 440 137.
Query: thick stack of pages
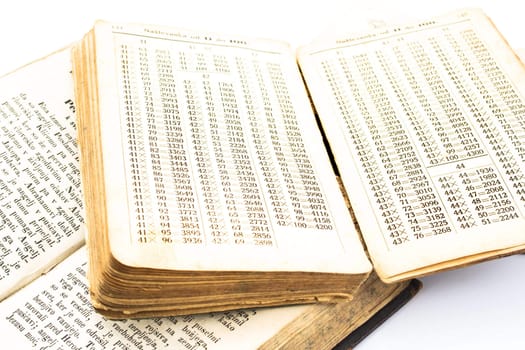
pixel 206 183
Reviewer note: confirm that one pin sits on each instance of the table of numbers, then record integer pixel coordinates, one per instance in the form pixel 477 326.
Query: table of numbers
pixel 214 150
pixel 435 127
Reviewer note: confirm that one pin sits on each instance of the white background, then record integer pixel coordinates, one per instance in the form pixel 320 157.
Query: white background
pixel 479 307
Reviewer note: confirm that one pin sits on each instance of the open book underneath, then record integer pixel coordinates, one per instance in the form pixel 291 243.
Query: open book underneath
pixel 208 184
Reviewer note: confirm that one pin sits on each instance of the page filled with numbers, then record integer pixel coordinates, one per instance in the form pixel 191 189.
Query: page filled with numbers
pixel 220 148
pixel 428 125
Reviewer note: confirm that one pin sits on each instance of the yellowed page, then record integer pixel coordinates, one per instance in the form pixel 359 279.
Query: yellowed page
pixel 212 156
pixel 426 123
pixel 40 201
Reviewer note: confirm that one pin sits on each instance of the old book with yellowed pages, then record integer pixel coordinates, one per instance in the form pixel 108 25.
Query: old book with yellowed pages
pixel 210 182
pixel 206 182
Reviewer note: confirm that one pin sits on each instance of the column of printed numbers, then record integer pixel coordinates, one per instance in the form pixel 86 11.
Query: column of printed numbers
pixel 246 216
pixel 421 122
pixel 167 133
pixel 158 208
pixel 188 200
pixel 264 153
pixel 449 124
pixel 255 133
pixel 209 179
pixel 307 199
pixel 429 216
pixel 135 145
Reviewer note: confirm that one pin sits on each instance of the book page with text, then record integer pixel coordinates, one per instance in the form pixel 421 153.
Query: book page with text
pixel 213 156
pixel 427 125
pixel 40 200
pixel 54 312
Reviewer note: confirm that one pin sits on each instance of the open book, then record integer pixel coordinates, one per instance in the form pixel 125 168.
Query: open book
pixel 208 184
pixel 42 224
